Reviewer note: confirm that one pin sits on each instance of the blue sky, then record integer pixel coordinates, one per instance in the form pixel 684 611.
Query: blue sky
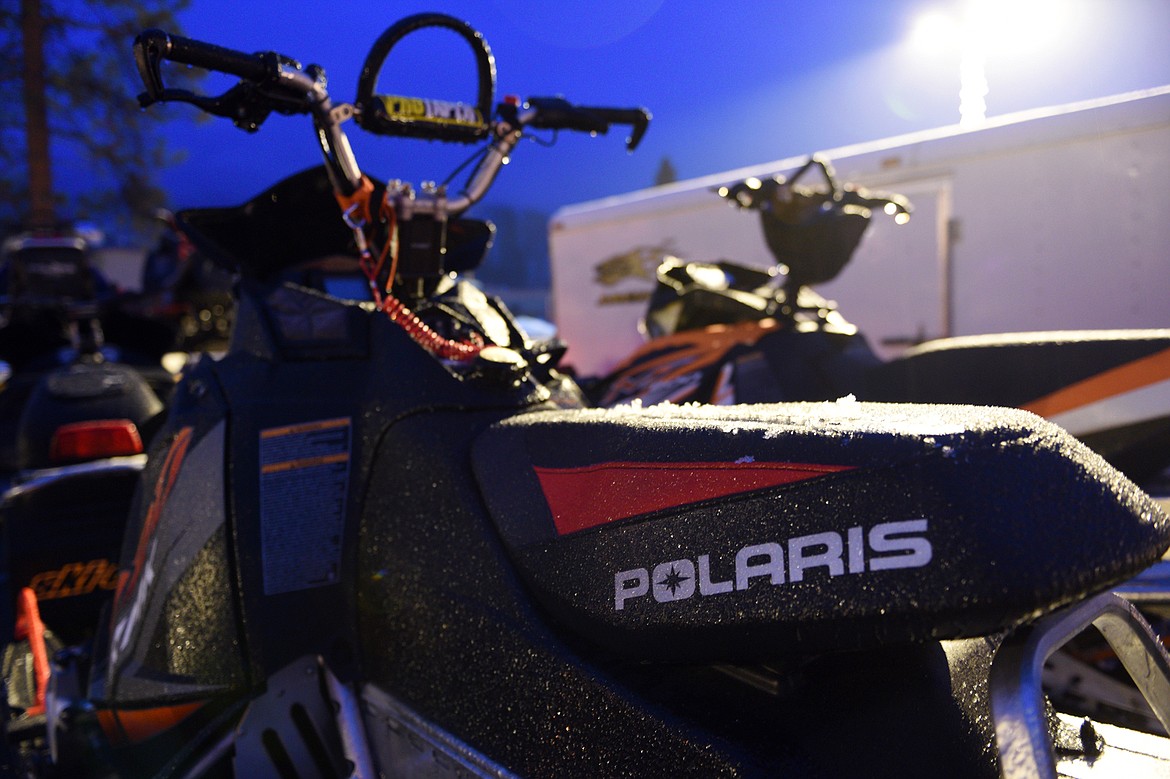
pixel 729 84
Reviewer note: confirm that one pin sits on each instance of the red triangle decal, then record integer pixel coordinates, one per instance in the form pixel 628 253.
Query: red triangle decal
pixel 593 495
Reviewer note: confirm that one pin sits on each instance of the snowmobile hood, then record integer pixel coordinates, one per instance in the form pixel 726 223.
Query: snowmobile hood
pixel 708 533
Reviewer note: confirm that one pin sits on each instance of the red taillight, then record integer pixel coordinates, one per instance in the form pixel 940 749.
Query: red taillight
pixel 95 439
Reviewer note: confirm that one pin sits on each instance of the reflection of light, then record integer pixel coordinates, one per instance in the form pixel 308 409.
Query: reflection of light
pixel 901 218
pixel 708 276
pixel 753 183
pixel 174 362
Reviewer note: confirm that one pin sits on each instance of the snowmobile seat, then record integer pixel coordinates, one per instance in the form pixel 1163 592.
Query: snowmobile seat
pixel 744 532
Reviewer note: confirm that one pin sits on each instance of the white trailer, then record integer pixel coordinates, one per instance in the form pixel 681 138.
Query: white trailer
pixel 1051 219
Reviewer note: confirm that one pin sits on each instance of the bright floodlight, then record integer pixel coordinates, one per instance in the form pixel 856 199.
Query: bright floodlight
pixel 986 27
pixel 935 31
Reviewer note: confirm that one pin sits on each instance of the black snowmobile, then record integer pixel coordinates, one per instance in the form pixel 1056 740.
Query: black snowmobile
pixel 382 536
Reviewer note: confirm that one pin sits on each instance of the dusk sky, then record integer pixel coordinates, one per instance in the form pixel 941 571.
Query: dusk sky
pixel 729 84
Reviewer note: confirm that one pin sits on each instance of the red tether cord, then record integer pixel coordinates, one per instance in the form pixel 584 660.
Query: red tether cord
pixel 386 302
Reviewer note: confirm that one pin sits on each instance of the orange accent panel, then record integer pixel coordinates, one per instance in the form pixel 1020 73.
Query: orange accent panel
pixel 162 490
pixel 681 353
pixel 131 726
pixel 1115 381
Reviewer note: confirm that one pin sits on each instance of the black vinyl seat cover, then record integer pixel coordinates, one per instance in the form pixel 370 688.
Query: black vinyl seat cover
pixel 738 533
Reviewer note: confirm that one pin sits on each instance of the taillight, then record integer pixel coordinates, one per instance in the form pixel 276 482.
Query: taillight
pixel 94 439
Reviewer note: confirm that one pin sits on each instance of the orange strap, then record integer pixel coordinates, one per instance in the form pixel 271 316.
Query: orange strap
pixel 357 205
pixel 390 217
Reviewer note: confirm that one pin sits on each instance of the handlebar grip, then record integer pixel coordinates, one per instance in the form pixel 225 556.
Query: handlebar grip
pixel 555 113
pixel 253 67
pixel 153 46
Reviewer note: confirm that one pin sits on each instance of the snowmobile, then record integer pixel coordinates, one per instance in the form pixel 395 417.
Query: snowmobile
pixel 83 392
pixel 186 291
pixel 722 332
pixel 383 535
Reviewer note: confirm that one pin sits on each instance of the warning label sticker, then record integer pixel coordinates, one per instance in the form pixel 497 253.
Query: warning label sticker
pixel 304 479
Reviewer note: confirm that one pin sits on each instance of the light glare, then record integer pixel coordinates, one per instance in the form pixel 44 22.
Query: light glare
pixel 934 32
pixel 986 28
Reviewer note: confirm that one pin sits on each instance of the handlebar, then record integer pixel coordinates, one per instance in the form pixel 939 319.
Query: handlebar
pixel 269 82
pixel 392 115
pixel 556 113
pixel 541 113
pixel 274 82
pixel 410 259
pixel 790 202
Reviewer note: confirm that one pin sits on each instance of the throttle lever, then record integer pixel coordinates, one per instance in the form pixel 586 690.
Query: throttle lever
pixel 637 118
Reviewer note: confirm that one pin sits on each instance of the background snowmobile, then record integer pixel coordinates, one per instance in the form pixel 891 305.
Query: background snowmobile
pixel 84 390
pixel 720 332
pixel 382 535
pixel 185 290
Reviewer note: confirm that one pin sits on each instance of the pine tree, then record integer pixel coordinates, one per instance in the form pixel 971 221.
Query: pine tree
pixel 68 83
pixel 666 173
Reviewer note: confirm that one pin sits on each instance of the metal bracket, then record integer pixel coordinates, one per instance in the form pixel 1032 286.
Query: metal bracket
pixel 1017 700
pixel 307 719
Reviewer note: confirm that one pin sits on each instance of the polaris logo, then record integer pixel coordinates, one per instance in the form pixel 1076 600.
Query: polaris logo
pixel 887 546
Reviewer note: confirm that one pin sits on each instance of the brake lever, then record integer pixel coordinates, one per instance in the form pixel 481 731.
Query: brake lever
pixel 637 118
pixel 148 55
pixel 638 127
pixel 240 104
